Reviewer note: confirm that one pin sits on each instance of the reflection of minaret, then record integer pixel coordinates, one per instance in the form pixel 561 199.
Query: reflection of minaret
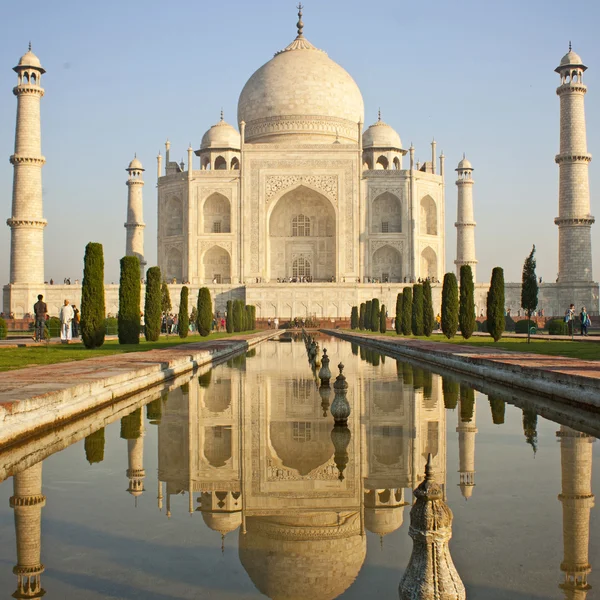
pixel 135 473
pixel 27 503
pixel 466 443
pixel 577 500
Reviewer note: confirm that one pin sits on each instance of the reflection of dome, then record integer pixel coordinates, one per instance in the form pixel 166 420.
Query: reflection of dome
pixel 301 94
pixel 303 446
pixel 29 59
pixel 314 556
pixel 466 490
pixel 382 521
pixel 223 522
pixel 221 136
pixel 381 135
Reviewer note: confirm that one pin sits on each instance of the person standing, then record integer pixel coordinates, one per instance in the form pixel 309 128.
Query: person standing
pixel 585 321
pixel 40 310
pixel 76 319
pixel 276 322
pixel 570 319
pixel 66 316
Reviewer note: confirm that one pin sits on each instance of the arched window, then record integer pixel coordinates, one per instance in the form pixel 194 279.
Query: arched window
pixel 301 267
pixel 33 78
pixel 382 163
pixel 174 268
pixel 428 216
pixel 396 164
pixel 220 163
pixel 25 78
pixel 174 217
pixel 235 163
pixel 386 214
pixel 217 214
pixel 429 263
pixel 300 226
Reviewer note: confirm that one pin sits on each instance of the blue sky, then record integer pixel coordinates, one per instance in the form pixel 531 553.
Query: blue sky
pixel 124 76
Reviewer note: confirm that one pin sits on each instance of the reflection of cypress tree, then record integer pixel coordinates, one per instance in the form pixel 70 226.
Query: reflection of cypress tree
pixel 530 428
pixel 94 447
pixel 467 403
pixel 164 397
pixel 382 356
pixel 498 407
pixel 355 349
pixel 204 379
pixel 131 425
pixel 251 353
pixel 450 389
pixel 237 362
pixel 363 353
pixel 185 388
pixel 154 411
pixel 427 384
pixel 418 378
pixel 399 369
pixel 407 374
pixel 375 359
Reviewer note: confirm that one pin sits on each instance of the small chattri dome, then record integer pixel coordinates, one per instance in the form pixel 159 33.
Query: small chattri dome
pixel 221 136
pixel 465 163
pixel 135 165
pixel 223 522
pixel 570 58
pixel 381 135
pixel 382 521
pixel 29 59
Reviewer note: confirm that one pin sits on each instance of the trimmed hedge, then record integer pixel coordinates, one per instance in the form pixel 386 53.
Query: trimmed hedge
pixel 152 317
pixel 417 310
pixel 361 316
pixel 495 304
pixel 229 317
pixel 428 316
pixel 450 305
pixel 130 292
pixel 183 319
pixel 466 313
pixel 407 294
pixel 92 297
pixel 375 314
pixel 524 326
pixel 368 305
pixel 3 329
pixel 382 320
pixel 354 318
pixel 165 299
pixel 205 314
pixel 398 323
pixel 558 327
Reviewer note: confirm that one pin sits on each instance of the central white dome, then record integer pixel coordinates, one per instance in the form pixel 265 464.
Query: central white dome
pixel 301 95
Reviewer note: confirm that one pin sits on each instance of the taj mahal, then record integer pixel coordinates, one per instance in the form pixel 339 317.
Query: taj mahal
pixel 301 210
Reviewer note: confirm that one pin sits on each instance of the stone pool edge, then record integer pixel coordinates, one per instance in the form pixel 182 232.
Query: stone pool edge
pixel 577 390
pixel 56 403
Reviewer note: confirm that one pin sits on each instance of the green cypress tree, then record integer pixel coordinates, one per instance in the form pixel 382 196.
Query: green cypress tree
pixel 467 403
pixel 252 317
pixel 382 319
pixel 466 314
pixel 95 442
pixel 205 313
pixel 450 389
pixel 417 310
pixel 407 294
pixel 375 314
pixel 129 301
pixel 229 317
pixel 498 407
pixel 361 316
pixel 183 319
pixel 92 297
pixel 248 321
pixel 154 411
pixel 165 299
pixel 495 304
pixel 529 288
pixel 428 316
pixel 237 315
pixel 450 305
pixel 398 322
pixel 354 318
pixel 152 304
pixel 131 425
pixel 368 305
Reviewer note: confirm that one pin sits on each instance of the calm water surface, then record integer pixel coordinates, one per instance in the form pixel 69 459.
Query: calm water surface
pixel 230 487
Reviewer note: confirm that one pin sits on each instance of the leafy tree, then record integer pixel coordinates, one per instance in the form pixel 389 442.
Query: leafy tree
pixel 466 315
pixel 183 318
pixel 450 390
pixel 498 407
pixel 154 411
pixel 450 305
pixel 382 320
pixel 530 428
pixel 165 299
pixel 398 322
pixel 407 294
pixel 467 403
pixel 152 304
pixel 131 425
pixel 129 301
pixel 205 313
pixel 229 317
pixel 417 310
pixel 361 316
pixel 354 318
pixel 529 288
pixel 94 443
pixel 92 297
pixel 375 314
pixel 368 308
pixel 428 316
pixel 495 304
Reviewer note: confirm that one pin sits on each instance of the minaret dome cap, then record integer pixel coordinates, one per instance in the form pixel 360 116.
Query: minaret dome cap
pixel 570 59
pixel 465 163
pixel 29 60
pixel 135 165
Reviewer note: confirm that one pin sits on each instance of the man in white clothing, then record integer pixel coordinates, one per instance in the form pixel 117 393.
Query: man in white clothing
pixel 66 316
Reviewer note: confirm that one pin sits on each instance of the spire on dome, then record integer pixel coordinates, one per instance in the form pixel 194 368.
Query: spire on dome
pixel 300 24
pixel 30 46
pixel 569 46
pixel 222 115
pixel 379 115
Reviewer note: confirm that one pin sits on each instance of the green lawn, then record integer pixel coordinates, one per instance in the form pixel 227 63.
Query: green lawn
pixel 583 350
pixel 18 358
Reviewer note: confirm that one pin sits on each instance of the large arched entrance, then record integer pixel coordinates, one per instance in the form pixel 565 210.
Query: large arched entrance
pixel 387 265
pixel 217 265
pixel 302 237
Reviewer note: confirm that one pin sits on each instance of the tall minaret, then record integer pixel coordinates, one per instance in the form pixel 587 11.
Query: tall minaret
pixel 136 472
pixel 135 219
pixel 27 222
pixel 574 219
pixel 27 503
pixel 467 431
pixel 465 223
pixel 577 500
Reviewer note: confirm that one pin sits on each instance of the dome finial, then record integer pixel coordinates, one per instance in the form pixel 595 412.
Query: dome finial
pixel 300 24
pixel 30 46
pixel 222 114
pixel 569 46
pixel 379 115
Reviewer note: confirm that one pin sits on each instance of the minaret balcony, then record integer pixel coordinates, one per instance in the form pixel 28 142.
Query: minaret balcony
pixel 571 157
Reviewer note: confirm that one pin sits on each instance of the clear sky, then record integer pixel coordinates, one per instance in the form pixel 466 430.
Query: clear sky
pixel 124 76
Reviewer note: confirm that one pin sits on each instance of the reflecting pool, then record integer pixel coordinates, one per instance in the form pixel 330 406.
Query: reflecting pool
pixel 233 484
